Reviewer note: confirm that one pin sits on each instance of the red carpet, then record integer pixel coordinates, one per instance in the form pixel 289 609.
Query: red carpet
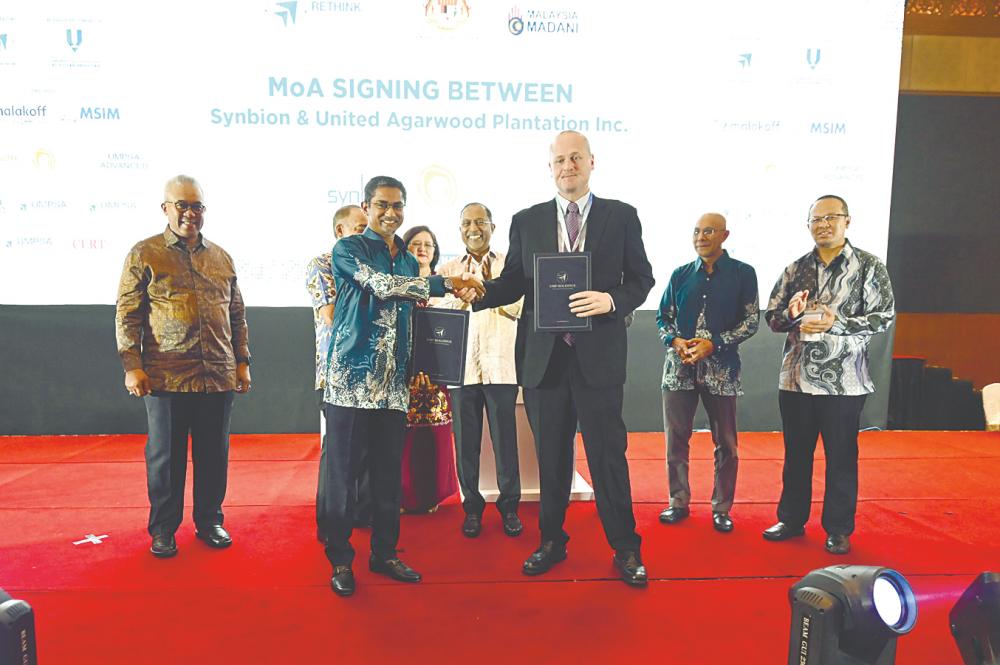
pixel 927 501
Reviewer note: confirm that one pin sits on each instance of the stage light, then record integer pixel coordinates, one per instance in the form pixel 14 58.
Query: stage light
pixel 975 621
pixel 17 632
pixel 849 615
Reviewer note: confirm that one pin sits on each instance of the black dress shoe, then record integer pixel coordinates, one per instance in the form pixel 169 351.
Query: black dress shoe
pixel 630 566
pixel 472 525
pixel 782 531
pixel 342 581
pixel 722 522
pixel 674 515
pixel 546 556
pixel 512 525
pixel 838 544
pixel 393 568
pixel 214 536
pixel 163 547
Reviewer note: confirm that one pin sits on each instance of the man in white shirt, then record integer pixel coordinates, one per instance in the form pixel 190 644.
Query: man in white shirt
pixel 490 381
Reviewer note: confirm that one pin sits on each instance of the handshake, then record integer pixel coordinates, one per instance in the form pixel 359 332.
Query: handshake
pixel 467 287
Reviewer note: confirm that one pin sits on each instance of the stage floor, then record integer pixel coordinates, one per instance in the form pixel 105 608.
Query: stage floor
pixel 927 507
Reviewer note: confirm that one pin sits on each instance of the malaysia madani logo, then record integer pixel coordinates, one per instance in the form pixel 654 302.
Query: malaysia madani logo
pixel 514 21
pixel 447 14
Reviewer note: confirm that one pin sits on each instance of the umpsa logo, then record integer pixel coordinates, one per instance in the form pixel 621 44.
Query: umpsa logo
pixel 813 59
pixel 74 41
pixel 287 12
pixel 439 331
pixel 562 276
pixel 514 21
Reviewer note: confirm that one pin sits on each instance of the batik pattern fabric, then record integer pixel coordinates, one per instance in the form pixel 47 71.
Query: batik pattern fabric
pixel 180 315
pixel 856 286
pixel 369 363
pixel 721 306
pixel 322 292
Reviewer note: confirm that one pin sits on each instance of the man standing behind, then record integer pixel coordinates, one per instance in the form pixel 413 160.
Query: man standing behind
pixel 182 336
pixel 709 308
pixel 830 302
pixel 347 221
pixel 490 381
pixel 367 383
pixel 579 377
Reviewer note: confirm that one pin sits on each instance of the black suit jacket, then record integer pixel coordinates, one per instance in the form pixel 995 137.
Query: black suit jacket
pixel 619 267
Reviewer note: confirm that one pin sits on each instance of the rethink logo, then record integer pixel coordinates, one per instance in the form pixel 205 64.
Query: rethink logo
pixel 287 12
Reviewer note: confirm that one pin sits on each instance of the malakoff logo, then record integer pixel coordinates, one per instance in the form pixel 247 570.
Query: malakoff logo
pixel 23 111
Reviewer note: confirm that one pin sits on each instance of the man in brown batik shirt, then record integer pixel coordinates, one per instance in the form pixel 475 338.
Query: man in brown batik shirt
pixel 182 337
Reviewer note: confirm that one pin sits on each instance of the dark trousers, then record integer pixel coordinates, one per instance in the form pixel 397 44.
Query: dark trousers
pixel 553 408
pixel 351 434
pixel 679 407
pixel 171 417
pixel 362 493
pixel 467 404
pixel 837 418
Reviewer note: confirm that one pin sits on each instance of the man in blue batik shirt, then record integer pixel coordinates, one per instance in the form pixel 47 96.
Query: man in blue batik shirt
pixel 709 308
pixel 367 383
pixel 347 221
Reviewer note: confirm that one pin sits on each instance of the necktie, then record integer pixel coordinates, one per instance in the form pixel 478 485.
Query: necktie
pixel 573 230
pixel 572 223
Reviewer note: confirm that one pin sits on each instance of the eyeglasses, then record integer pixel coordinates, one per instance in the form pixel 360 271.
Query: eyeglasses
pixel 829 219
pixel 385 205
pixel 184 206
pixel 708 233
pixel 425 245
pixel 482 223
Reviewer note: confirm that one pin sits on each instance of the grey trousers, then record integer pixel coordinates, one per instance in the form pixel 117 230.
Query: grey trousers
pixel 500 401
pixel 679 407
pixel 171 418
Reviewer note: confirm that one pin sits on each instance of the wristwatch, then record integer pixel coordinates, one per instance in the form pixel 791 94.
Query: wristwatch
pixel 448 284
pixel 246 360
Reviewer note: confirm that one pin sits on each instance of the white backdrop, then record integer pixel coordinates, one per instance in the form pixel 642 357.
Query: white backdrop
pixel 284 109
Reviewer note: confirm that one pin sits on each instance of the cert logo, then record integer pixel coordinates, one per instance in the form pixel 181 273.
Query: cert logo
pixel 562 276
pixel 447 14
pixel 439 331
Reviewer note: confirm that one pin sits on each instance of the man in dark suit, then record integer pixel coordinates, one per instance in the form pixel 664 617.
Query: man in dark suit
pixel 580 377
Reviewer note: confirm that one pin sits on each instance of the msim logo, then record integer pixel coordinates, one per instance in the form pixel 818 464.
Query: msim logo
pixel 828 128
pixel 99 113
